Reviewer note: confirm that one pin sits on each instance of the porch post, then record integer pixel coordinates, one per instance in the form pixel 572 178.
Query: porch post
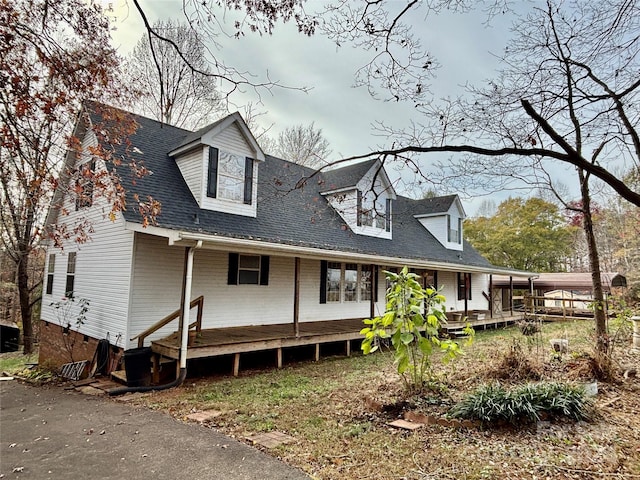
pixel 511 295
pixel 296 298
pixel 491 295
pixel 374 291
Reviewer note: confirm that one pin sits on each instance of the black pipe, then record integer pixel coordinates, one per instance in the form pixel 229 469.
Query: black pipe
pixel 150 388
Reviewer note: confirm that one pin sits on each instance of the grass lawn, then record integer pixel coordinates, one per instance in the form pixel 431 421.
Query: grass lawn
pixel 338 411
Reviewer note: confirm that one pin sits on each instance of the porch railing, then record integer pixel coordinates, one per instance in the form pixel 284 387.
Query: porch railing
pixel 199 302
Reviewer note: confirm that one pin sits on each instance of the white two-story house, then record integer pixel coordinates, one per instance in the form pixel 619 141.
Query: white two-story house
pixel 264 242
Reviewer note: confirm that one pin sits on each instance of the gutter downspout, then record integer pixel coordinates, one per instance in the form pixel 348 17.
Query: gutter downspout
pixel 185 335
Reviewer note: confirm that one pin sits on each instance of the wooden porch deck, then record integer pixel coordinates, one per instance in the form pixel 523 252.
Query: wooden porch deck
pixel 236 340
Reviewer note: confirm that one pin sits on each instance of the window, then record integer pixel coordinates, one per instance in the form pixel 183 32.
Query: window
pixel 248 269
pixel 366 278
pixel 71 274
pixel 334 281
pixel 350 282
pixel 430 279
pixel 84 185
pixel 230 176
pixel 374 211
pixel 454 231
pixel 464 286
pixel 51 268
pixel 345 282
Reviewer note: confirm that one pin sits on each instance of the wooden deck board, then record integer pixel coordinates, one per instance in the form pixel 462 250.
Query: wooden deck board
pixel 222 341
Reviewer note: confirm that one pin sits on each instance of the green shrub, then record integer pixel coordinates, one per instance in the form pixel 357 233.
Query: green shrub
pixel 493 403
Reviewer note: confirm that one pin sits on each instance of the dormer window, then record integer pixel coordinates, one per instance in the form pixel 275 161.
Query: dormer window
pixel 374 211
pixel 454 228
pixel 230 176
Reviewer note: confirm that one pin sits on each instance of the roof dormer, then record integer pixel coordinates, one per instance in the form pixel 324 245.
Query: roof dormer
pixel 443 218
pixel 219 164
pixel 362 194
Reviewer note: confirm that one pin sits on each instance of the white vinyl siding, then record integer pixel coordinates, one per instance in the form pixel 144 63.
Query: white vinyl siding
pixel 102 270
pixel 231 139
pixel 479 284
pixel 191 166
pixel 224 305
pixel 346 205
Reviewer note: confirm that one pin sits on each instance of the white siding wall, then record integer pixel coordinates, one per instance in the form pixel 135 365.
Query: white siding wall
pixel 156 285
pixel 158 280
pixel 232 140
pixel 448 281
pixel 346 204
pixel 437 226
pixel 239 305
pixel 193 168
pixel 103 270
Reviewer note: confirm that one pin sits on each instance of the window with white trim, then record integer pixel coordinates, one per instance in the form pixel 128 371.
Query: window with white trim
pixel 345 282
pixel 71 274
pixel 248 269
pixel 230 176
pixel 454 230
pixel 51 268
pixel 374 211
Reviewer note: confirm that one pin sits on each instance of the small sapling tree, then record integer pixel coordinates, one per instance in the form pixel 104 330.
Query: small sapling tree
pixel 412 320
pixel 71 314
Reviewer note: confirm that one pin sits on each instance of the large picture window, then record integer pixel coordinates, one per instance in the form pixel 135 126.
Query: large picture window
pixel 345 282
pixel 230 176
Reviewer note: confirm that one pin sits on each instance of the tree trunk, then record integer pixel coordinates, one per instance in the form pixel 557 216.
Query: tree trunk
pixel 24 294
pixel 602 342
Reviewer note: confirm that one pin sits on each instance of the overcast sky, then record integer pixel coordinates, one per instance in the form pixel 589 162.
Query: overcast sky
pixel 462 44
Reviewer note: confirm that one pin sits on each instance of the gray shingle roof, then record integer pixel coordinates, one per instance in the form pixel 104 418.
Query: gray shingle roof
pixel 285 215
pixel 347 176
pixel 434 205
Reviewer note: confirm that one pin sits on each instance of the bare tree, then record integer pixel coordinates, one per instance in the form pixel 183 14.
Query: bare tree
pixel 566 95
pixel 304 145
pixel 208 16
pixel 172 88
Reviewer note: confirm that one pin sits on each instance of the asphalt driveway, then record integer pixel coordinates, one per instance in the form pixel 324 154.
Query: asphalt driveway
pixel 52 433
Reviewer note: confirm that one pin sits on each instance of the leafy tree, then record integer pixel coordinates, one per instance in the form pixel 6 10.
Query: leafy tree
pixel 523 234
pixel 304 145
pixel 173 88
